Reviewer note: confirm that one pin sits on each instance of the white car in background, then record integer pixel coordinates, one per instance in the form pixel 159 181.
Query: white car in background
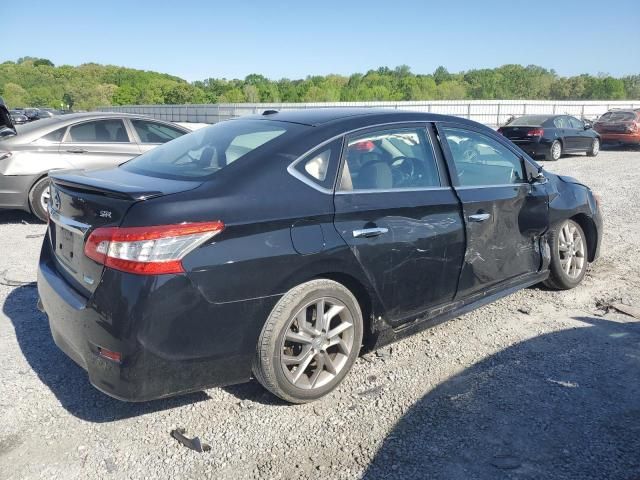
pixel 75 141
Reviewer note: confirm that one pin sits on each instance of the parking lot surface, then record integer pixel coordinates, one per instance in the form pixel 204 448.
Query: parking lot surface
pixel 540 384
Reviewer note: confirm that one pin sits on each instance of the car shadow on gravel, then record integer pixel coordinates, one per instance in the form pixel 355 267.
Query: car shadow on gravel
pixel 561 405
pixel 68 382
pixel 18 216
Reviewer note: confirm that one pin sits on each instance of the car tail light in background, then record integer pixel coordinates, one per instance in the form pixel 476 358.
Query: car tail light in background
pixel 632 127
pixel 535 132
pixel 152 250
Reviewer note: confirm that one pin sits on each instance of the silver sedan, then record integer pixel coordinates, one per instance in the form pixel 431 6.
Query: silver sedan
pixel 75 141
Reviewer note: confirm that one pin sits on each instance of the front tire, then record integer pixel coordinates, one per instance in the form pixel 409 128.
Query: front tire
pixel 595 148
pixel 568 256
pixel 39 199
pixel 302 356
pixel 555 151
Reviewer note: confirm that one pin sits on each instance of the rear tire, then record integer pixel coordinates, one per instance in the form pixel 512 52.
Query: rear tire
pixel 568 256
pixel 595 148
pixel 297 358
pixel 39 199
pixel 555 151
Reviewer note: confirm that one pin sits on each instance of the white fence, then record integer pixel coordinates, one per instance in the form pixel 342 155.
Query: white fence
pixel 489 112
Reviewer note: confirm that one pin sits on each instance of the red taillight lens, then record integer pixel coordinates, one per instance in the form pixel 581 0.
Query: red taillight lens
pixel 535 132
pixel 152 250
pixel 109 355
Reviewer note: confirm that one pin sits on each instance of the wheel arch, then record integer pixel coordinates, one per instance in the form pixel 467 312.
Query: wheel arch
pixel 591 233
pixel 37 178
pixel 365 300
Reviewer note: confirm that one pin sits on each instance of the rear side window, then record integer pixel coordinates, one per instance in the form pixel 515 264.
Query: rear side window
pixel 206 151
pixel 99 131
pixel 561 122
pixel 481 160
pixel 389 159
pixel 320 166
pixel 56 135
pixel 154 132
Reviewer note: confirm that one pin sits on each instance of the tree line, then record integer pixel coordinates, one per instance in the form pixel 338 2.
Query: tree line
pixel 32 81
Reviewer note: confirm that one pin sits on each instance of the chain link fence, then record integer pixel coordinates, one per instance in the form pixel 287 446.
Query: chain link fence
pixel 490 112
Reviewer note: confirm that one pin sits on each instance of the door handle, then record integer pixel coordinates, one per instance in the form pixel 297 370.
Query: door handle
pixel 77 150
pixel 479 217
pixel 369 232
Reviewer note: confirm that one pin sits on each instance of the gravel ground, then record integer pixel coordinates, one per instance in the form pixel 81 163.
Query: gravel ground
pixel 540 384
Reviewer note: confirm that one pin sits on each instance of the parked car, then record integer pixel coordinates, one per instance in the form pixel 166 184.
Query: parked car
pixel 551 136
pixel 44 114
pixel 32 114
pixel 90 140
pixel 619 126
pixel 275 245
pixel 18 117
pixel 7 126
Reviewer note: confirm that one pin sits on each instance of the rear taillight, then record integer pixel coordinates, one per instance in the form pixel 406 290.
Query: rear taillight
pixel 152 250
pixel 535 132
pixel 632 127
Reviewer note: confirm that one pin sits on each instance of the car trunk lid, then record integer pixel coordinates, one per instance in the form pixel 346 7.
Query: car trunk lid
pixel 519 132
pixel 82 201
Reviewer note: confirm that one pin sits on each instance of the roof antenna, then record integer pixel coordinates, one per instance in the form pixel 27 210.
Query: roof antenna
pixel 269 112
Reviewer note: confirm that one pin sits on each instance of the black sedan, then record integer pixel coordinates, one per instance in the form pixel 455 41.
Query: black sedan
pixel 551 136
pixel 277 245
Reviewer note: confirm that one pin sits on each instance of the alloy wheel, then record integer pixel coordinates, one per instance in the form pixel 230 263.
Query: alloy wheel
pixel 571 250
pixel 317 343
pixel 556 150
pixel 44 199
pixel 595 147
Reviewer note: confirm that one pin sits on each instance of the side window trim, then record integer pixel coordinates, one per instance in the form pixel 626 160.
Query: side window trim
pixel 334 158
pixel 453 172
pixel 67 134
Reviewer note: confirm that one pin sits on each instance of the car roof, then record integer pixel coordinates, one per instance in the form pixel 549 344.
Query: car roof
pixel 335 115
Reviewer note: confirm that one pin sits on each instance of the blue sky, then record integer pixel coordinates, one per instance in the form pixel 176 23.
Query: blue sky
pixel 200 39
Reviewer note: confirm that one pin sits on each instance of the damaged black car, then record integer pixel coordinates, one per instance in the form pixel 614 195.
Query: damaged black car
pixel 280 246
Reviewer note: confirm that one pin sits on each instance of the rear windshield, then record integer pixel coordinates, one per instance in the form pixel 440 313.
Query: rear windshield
pixel 529 121
pixel 208 150
pixel 617 117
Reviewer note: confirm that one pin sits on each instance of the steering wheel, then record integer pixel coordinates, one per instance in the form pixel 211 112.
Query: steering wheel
pixel 406 169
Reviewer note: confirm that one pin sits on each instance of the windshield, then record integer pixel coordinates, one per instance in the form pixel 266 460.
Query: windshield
pixel 208 150
pixel 529 121
pixel 617 117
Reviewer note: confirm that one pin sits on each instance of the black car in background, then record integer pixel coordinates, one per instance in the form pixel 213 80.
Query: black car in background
pixel 276 245
pixel 551 136
pixel 32 114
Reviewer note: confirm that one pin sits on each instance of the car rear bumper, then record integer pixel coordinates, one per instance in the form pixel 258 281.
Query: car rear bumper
pixel 171 339
pixel 533 148
pixel 14 190
pixel 627 138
